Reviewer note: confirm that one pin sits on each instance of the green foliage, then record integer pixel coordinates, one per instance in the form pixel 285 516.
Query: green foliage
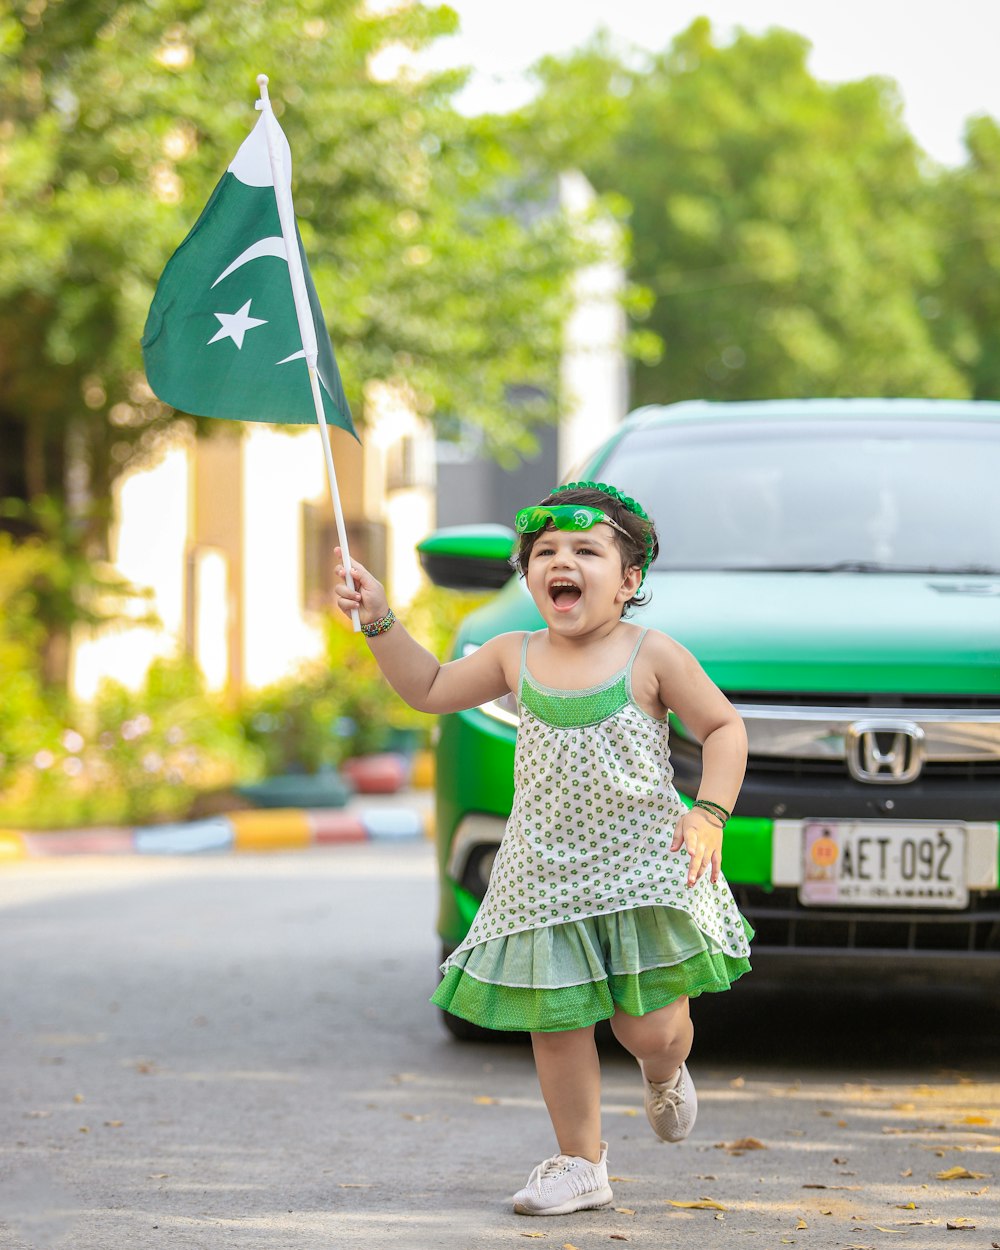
pixel 440 262
pixel 331 709
pixel 133 756
pixel 28 721
pixel 785 227
pixel 964 307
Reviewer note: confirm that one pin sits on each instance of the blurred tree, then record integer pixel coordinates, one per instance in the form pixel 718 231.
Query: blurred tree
pixel 782 225
pixel 964 306
pixel 439 264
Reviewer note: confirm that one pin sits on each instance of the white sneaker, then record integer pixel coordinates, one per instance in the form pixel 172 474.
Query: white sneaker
pixel 671 1111
pixel 565 1183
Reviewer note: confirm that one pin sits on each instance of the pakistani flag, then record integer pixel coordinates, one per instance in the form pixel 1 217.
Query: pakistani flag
pixel 224 336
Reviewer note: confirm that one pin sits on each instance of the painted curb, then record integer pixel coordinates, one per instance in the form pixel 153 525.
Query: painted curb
pixel 258 830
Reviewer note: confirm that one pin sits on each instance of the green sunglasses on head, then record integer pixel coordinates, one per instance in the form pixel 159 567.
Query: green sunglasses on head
pixel 566 516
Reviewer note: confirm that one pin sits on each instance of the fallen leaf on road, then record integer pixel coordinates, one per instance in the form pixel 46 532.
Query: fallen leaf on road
pixel 839 1162
pixel 825 1211
pixel 630 1111
pixel 623 1179
pixel 706 1177
pixel 78 1098
pixel 113 1123
pixel 484 1100
pixel 624 1210
pixel 533 1234
pixel 841 1124
pixel 618 1237
pixel 958 1173
pixel 801 1224
pixel 881 1229
pixel 703 1204
pixel 157 1176
pixel 408 1115
pixel 737 1082
pixel 568 1245
pixel 906 1206
pixel 741 1145
pixel 908 1172
pixel 961 1224
pixel 354 1185
pixel 975 1119
pixel 818 1186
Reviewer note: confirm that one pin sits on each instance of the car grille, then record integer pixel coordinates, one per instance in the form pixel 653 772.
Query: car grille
pixel 782 923
pixel 686 756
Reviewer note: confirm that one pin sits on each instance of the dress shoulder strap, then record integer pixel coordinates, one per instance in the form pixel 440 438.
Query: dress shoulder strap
pixel 524 663
pixel 635 651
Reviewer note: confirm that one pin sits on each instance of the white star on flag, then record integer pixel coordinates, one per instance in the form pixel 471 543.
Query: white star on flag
pixel 235 325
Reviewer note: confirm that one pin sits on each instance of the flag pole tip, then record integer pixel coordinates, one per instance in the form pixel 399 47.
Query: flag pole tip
pixel 262 80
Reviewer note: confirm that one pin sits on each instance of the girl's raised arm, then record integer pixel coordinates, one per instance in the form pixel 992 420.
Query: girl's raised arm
pixel 412 671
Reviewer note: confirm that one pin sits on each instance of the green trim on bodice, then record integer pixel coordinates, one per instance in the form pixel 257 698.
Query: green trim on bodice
pixel 572 710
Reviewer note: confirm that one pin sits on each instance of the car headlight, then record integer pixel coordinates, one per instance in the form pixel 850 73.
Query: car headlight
pixel 503 709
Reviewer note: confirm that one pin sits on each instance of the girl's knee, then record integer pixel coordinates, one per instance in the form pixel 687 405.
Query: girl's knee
pixel 652 1033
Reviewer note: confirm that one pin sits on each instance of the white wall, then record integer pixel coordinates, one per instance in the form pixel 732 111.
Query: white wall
pixel 148 546
pixel 280 472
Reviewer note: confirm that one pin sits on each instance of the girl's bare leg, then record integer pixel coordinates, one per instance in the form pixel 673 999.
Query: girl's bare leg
pixel 569 1073
pixel 662 1039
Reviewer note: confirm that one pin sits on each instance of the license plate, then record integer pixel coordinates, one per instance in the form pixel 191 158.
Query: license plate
pixel 878 864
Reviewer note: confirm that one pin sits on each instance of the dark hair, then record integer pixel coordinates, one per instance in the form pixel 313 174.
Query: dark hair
pixel 633 549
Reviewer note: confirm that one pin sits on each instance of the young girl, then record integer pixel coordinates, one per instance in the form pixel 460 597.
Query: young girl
pixel 606 899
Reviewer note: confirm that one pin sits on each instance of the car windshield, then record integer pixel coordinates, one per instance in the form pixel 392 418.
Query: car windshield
pixel 824 495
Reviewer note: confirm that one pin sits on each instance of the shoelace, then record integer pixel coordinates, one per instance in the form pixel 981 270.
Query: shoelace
pixel 550 1168
pixel 664 1097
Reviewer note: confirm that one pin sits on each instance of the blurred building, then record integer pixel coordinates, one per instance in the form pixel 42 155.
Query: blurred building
pixel 234 532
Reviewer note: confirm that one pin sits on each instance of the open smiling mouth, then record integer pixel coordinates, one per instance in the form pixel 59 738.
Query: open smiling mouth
pixel 564 595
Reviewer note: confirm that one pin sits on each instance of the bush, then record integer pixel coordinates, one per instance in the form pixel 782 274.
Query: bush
pixel 133 756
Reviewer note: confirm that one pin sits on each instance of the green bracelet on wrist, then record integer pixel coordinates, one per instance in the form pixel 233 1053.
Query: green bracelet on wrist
pixel 713 809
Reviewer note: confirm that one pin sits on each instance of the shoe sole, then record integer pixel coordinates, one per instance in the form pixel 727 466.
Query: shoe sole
pixel 586 1202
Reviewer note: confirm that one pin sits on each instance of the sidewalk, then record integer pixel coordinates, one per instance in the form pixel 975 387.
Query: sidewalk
pixel 408 814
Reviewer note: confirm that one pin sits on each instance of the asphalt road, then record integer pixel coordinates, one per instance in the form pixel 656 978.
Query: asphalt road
pixel 238 1052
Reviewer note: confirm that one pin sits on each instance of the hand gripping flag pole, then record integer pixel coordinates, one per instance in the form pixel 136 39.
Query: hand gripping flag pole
pixel 235 329
pixel 286 215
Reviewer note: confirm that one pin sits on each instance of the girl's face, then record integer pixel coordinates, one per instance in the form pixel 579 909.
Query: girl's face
pixel 576 579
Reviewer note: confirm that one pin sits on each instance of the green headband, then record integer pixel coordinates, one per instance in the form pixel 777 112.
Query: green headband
pixel 626 501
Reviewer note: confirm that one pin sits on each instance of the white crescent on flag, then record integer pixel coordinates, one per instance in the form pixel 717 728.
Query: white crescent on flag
pixel 274 245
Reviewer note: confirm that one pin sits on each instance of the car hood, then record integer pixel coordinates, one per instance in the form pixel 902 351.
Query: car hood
pixel 846 632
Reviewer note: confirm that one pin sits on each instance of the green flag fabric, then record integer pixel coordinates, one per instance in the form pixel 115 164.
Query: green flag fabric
pixel 222 338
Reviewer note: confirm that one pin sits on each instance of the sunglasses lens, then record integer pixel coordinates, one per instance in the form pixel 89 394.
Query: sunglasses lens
pixel 562 517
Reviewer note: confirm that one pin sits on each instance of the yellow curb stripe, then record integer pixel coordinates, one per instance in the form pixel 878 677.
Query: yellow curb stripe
pixel 12 845
pixel 281 829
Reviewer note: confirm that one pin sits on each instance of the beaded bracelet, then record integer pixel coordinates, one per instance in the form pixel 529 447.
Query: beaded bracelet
pixel 713 809
pixel 381 626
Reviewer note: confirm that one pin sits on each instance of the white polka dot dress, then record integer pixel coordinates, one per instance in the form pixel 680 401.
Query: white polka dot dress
pixel 589 836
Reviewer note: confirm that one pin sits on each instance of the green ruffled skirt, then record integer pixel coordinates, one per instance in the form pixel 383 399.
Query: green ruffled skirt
pixel 569 976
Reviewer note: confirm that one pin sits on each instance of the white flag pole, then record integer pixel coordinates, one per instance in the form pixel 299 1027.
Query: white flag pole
pixel 282 179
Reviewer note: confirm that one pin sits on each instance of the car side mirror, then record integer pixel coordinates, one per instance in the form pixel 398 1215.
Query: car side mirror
pixel 468 557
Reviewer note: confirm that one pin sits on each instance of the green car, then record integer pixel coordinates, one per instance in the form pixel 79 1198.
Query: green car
pixel 835 567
